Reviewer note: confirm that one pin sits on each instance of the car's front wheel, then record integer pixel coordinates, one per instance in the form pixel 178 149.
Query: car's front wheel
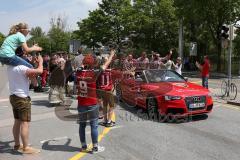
pixel 152 109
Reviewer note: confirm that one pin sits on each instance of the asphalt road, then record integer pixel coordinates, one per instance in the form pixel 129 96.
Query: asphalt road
pixel 212 137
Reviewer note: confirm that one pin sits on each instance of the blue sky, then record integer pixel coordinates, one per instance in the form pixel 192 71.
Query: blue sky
pixel 38 12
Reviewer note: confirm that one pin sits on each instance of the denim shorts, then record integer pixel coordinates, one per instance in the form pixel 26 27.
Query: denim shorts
pixel 88 113
pixel 15 61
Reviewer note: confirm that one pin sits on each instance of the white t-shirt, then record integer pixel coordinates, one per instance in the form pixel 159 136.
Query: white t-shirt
pixel 179 69
pixel 18 80
pixel 78 60
pixel 168 65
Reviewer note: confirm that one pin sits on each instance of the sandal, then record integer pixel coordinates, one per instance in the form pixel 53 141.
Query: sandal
pixel 30 150
pixel 18 147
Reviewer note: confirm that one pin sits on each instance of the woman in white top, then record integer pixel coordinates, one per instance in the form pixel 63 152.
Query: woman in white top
pixel 178 66
pixel 169 63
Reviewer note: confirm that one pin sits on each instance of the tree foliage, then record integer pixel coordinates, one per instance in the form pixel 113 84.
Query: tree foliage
pixel 2 37
pixel 57 38
pixel 153 23
pixel 204 20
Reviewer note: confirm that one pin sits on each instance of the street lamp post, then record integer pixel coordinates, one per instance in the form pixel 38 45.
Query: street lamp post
pixel 180 45
pixel 230 56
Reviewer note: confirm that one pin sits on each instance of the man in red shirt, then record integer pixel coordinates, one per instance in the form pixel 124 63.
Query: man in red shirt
pixel 205 68
pixel 88 107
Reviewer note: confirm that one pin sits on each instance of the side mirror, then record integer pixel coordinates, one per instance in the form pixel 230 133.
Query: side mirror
pixel 186 79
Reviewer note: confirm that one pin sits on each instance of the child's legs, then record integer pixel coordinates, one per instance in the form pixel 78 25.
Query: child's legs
pixel 15 61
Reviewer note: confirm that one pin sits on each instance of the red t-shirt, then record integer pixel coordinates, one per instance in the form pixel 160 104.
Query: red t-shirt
pixel 104 81
pixel 86 84
pixel 205 69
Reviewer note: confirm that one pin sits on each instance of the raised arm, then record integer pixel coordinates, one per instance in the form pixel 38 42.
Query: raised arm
pixel 199 66
pixel 31 49
pixel 38 70
pixel 110 58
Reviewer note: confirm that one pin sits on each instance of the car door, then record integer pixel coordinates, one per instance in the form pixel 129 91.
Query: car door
pixel 138 91
pixel 127 89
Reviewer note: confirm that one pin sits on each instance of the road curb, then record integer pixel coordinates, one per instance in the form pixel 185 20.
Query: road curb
pixel 233 103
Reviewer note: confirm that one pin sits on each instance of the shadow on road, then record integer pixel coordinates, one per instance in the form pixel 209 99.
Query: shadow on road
pixel 64 148
pixel 142 115
pixel 6 148
pixel 44 103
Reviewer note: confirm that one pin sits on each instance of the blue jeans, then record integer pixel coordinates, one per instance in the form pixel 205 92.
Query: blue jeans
pixel 88 113
pixel 15 61
pixel 205 82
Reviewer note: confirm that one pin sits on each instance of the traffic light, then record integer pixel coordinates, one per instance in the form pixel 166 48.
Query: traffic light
pixel 224 32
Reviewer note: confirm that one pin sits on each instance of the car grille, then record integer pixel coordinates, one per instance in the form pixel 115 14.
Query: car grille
pixel 194 100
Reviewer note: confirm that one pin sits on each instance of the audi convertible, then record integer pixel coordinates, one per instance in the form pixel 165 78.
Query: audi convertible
pixel 164 92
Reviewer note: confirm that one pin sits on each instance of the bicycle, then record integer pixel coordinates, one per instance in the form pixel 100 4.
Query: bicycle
pixel 228 89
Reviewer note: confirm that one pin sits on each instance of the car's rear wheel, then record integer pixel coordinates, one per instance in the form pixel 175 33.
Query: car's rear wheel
pixel 152 109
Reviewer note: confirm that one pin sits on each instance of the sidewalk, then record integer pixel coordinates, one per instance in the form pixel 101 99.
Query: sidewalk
pixel 217 93
pixel 215 88
pixel 215 85
pixel 4 91
pixel 213 75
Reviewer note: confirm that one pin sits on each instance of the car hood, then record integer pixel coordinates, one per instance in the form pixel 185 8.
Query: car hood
pixel 178 89
pixel 188 89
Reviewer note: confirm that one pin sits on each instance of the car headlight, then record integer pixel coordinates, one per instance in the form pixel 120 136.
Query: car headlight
pixel 171 98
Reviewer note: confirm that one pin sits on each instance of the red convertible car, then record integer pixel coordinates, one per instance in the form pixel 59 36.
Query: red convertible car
pixel 164 92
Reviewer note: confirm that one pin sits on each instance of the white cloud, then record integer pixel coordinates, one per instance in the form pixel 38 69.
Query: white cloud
pixel 39 15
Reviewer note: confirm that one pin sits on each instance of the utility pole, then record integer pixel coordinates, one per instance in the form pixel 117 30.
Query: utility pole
pixel 231 30
pixel 180 42
pixel 230 51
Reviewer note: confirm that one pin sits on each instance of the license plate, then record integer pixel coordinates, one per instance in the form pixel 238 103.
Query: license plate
pixel 197 105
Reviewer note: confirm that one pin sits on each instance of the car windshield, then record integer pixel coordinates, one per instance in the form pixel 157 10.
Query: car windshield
pixel 163 76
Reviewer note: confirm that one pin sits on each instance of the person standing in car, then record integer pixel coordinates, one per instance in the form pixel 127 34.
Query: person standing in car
pixel 178 66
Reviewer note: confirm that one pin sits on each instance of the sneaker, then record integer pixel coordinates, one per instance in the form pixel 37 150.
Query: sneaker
pixel 102 123
pixel 83 149
pixel 30 150
pixel 110 124
pixel 97 149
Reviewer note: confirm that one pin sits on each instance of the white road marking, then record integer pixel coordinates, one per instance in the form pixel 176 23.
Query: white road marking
pixel 3 106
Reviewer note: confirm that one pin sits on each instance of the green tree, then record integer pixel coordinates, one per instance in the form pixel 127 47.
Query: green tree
pixel 94 28
pixel 208 16
pixel 104 24
pixel 40 38
pixel 117 12
pixel 58 35
pixel 156 24
pixel 37 32
pixel 237 44
pixel 2 37
pixel 153 23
